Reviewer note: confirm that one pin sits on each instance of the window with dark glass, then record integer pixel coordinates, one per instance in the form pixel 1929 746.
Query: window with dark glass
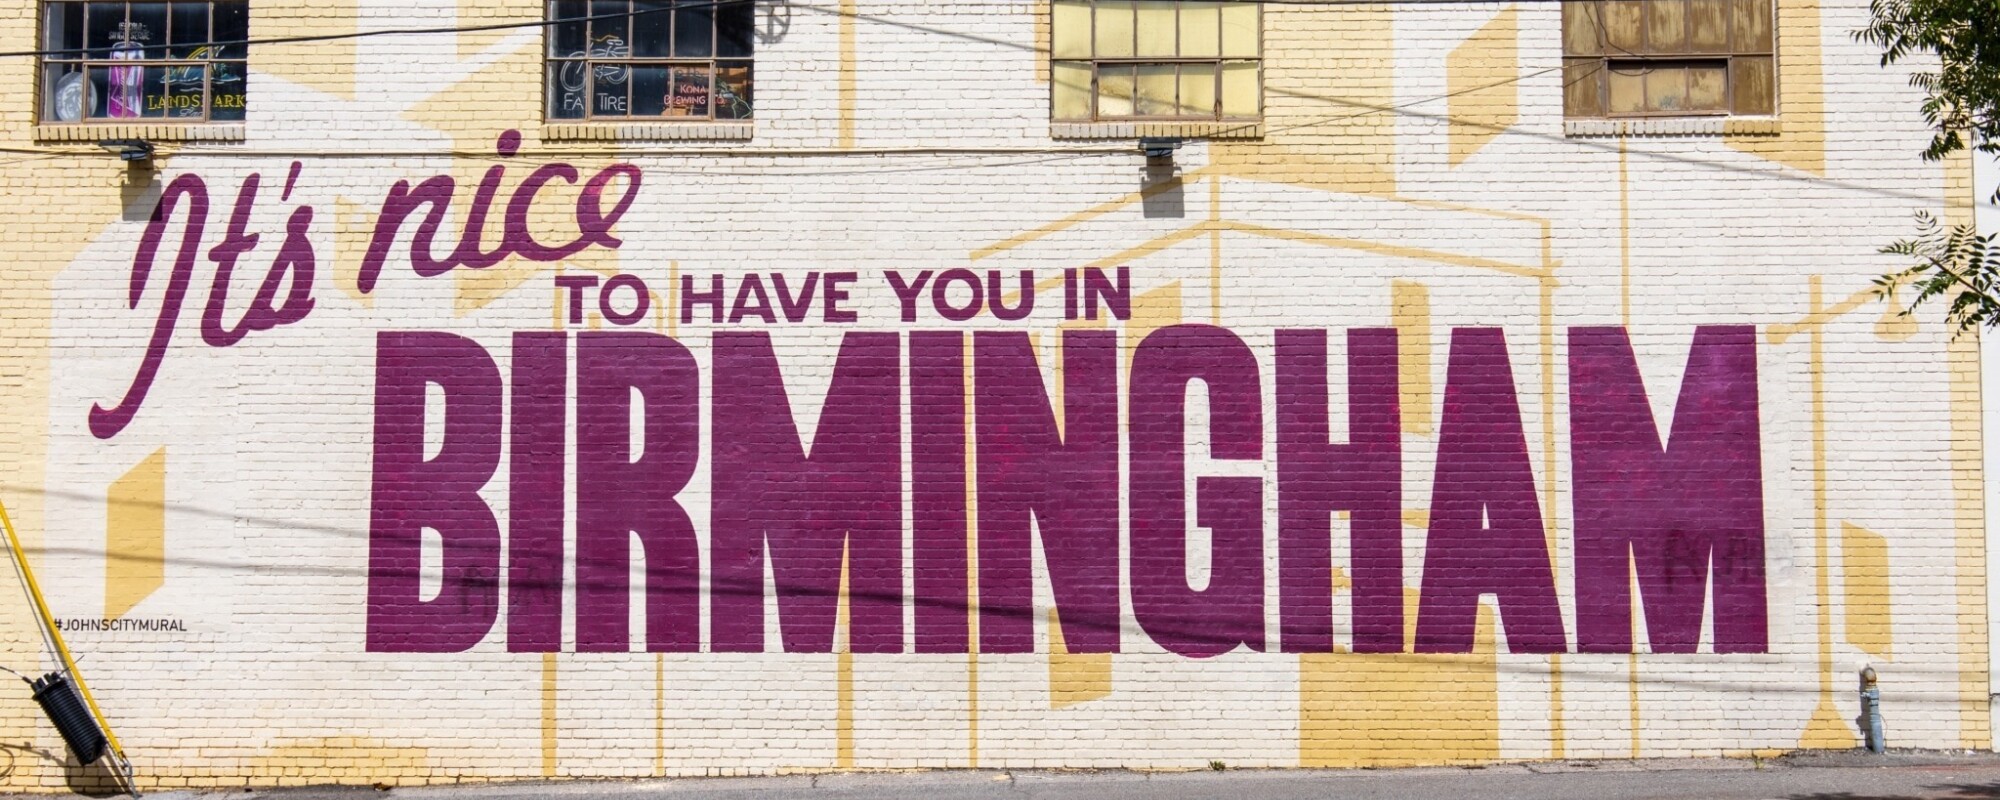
pixel 650 59
pixel 1171 60
pixel 143 62
pixel 1668 58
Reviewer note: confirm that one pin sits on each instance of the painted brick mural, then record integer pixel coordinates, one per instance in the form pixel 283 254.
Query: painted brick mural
pixel 428 421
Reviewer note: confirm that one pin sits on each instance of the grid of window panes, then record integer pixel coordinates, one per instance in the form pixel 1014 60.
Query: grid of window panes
pixel 650 59
pixel 1155 59
pixel 1651 58
pixel 169 61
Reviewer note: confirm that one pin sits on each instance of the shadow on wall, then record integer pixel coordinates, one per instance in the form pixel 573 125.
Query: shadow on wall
pixel 140 191
pixel 91 780
pixel 1163 194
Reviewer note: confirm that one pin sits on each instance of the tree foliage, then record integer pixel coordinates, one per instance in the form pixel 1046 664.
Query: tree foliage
pixel 1962 106
pixel 1962 97
pixel 1956 263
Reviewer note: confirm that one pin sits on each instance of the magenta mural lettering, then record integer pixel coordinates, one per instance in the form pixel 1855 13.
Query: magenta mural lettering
pixel 412 493
pixel 811 513
pixel 1486 532
pixel 807 511
pixel 1689 514
pixel 1317 477
pixel 626 483
pixel 1229 611
pixel 1040 482
pixel 293 269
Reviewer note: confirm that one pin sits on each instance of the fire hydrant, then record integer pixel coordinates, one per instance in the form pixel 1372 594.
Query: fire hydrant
pixel 1871 710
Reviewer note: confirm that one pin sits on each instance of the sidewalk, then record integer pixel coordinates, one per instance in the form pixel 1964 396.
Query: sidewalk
pixel 1804 776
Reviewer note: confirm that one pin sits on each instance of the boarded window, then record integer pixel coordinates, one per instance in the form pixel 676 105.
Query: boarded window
pixel 1155 60
pixel 1639 58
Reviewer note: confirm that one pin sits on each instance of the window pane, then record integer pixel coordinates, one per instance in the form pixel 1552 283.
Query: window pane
pixel 183 91
pixel 1750 25
pixel 187 30
pixel 652 29
pixel 104 26
pixel 1114 29
pixel 66 93
pixel 124 95
pixel 1666 89
pixel 149 27
pixel 1666 26
pixel 568 39
pixel 609 83
pixel 1070 90
pixel 1241 95
pixel 232 27
pixel 735 28
pixel 1580 34
pixel 1627 90
pixel 650 85
pixel 1583 87
pixel 226 94
pixel 1156 28
pixel 691 92
pixel 1622 25
pixel 1753 88
pixel 1114 91
pixel 64 29
pixel 566 88
pixel 732 90
pixel 1069 34
pixel 1707 89
pixel 1197 97
pixel 1708 26
pixel 153 93
pixel 1155 90
pixel 1239 30
pixel 1201 30
pixel 612 34
pixel 694 29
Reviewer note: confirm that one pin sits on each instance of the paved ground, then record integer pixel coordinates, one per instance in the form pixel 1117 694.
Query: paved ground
pixel 1824 776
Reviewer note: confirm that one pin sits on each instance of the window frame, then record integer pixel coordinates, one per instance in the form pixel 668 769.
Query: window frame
pixel 83 64
pixel 1096 64
pixel 1612 60
pixel 714 65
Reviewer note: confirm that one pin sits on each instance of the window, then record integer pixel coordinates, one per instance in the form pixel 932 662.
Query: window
pixel 170 62
pixel 1641 58
pixel 650 59
pixel 1117 60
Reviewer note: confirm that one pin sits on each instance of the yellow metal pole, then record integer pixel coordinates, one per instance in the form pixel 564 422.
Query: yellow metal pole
pixel 62 648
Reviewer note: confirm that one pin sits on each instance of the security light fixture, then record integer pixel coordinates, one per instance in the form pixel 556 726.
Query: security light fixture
pixel 1159 149
pixel 128 149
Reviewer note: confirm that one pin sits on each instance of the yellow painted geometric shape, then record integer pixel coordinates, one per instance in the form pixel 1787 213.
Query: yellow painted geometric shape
pixel 1329 89
pixel 135 535
pixel 1894 325
pixel 1827 730
pixel 329 66
pixel 1403 709
pixel 1410 312
pixel 1075 677
pixel 1864 569
pixel 1480 110
pixel 1801 121
pixel 339 759
pixel 1151 311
